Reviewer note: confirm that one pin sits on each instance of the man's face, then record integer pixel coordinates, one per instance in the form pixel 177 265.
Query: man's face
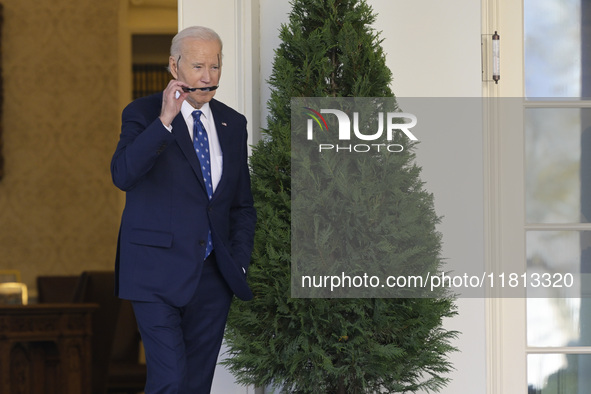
pixel 199 66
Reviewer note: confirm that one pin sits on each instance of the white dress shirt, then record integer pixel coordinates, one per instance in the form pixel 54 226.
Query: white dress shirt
pixel 215 151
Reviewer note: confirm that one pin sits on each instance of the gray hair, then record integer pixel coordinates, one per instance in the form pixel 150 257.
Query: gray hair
pixel 195 32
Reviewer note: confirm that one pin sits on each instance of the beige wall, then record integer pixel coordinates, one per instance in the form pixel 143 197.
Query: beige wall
pixel 59 211
pixel 67 75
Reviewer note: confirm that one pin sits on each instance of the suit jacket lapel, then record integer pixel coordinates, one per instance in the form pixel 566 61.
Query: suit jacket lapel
pixel 224 139
pixel 179 129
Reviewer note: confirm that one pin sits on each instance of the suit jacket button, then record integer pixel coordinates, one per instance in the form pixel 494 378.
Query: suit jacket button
pixel 202 243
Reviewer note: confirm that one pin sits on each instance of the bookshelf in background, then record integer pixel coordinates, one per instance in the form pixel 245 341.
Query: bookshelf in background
pixel 149 79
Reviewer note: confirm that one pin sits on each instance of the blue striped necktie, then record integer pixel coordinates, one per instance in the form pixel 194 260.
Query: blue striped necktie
pixel 201 145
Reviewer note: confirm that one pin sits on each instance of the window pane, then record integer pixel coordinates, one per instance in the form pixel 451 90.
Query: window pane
pixel 558 373
pixel 558 165
pixel 553 319
pixel 553 31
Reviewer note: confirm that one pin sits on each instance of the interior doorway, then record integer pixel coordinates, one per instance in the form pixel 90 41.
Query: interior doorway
pixel 149 63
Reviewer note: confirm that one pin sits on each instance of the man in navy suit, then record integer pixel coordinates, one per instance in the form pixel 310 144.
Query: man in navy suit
pixel 177 205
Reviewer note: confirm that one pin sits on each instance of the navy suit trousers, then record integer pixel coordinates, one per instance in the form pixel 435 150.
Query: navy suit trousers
pixel 182 343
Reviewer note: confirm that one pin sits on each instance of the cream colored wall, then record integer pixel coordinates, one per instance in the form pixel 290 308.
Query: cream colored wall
pixel 433 50
pixel 58 208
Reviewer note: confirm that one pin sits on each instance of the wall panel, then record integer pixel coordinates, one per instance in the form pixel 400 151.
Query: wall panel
pixel 58 208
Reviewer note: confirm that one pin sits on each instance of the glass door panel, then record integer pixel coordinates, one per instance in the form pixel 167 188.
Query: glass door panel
pixel 557 186
pixel 558 373
pixel 553 48
pixel 558 165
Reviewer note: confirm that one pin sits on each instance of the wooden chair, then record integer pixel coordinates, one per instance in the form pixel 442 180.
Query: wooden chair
pixel 56 288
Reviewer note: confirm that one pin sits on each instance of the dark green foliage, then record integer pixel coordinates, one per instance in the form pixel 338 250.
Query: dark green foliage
pixel 353 345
